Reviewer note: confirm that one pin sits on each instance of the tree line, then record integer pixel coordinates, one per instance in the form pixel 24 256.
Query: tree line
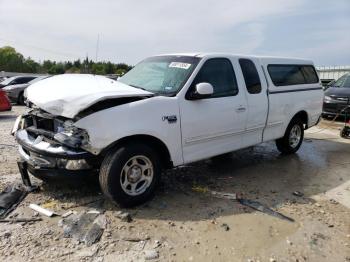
pixel 13 61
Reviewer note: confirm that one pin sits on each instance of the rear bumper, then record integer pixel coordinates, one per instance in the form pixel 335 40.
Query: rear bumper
pixel 46 161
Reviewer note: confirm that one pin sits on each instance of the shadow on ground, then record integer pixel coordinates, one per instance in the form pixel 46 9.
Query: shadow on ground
pixel 259 173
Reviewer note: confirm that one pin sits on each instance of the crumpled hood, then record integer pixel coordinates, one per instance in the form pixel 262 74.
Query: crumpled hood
pixel 66 95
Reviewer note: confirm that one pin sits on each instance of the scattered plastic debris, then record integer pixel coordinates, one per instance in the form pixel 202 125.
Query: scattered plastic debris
pixel 124 216
pixel 230 196
pixel 136 239
pixel 67 214
pixel 260 207
pixel 20 220
pixel 10 199
pixel 250 203
pixel 85 227
pixel 41 210
pixel 298 194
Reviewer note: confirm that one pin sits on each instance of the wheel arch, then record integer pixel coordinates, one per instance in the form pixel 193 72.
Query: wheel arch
pixel 303 116
pixel 21 93
pixel 152 141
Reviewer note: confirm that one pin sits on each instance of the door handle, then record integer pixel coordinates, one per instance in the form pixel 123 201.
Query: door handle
pixel 240 109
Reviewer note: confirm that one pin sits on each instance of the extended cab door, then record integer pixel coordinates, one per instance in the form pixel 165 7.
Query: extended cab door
pixel 257 100
pixel 213 125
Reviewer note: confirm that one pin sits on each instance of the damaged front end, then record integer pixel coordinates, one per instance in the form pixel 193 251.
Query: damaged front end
pixel 52 146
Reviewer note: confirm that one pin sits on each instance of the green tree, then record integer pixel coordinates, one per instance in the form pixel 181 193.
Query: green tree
pixel 10 60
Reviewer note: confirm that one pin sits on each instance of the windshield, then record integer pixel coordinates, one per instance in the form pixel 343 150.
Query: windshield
pixel 37 79
pixel 161 74
pixel 344 81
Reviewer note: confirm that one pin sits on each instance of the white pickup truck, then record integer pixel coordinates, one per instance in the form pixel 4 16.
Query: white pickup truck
pixel 169 110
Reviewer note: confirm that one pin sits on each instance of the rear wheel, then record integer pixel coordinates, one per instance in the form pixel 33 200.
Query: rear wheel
pixel 130 174
pixel 293 137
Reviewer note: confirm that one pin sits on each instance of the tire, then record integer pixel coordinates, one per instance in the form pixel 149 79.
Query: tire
pixel 20 100
pixel 123 171
pixel 293 137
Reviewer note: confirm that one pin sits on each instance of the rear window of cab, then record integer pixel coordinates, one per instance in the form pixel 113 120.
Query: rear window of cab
pixel 285 75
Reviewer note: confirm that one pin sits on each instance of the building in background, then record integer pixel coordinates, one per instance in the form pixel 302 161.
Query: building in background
pixel 329 73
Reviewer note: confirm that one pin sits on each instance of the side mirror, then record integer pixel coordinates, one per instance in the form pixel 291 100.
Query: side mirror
pixel 202 90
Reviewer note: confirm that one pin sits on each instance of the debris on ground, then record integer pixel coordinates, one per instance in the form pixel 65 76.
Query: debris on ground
pixel 10 198
pixel 151 254
pixel 230 196
pixel 85 227
pixel 68 213
pixel 50 204
pixel 298 194
pixel 225 227
pixel 260 207
pixel 200 189
pixel 124 216
pixel 20 220
pixel 42 210
pixel 136 239
pixel 250 203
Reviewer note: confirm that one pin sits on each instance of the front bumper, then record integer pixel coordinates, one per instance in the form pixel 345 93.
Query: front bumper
pixel 336 108
pixel 50 160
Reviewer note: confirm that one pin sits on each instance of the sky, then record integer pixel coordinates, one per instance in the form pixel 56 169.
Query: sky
pixel 128 31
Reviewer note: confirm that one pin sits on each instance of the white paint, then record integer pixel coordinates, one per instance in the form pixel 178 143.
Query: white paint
pixel 41 210
pixel 204 127
pixel 68 94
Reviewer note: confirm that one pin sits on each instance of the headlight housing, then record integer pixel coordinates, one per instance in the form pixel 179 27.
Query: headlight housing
pixel 71 136
pixel 327 98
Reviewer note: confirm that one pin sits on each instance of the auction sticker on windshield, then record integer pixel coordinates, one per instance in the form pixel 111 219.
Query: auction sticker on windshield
pixel 180 65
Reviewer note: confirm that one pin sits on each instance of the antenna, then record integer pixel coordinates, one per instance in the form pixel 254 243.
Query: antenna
pixel 97 45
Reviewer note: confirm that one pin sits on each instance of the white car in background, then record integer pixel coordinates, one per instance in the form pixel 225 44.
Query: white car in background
pixel 169 110
pixel 15 92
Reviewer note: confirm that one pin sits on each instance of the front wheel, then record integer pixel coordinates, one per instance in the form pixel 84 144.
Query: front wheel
pixel 293 137
pixel 20 99
pixel 130 174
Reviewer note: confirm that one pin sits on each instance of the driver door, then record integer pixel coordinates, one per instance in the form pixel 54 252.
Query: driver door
pixel 213 125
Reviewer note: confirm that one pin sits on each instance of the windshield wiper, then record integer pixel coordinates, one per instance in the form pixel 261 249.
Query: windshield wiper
pixel 138 87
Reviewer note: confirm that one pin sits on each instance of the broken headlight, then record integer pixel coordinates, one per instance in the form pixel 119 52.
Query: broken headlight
pixel 71 136
pixel 76 164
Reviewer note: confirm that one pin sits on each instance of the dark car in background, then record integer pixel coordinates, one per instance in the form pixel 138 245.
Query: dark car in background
pixel 15 80
pixel 337 98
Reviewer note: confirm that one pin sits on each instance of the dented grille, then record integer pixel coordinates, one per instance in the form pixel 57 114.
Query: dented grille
pixel 44 123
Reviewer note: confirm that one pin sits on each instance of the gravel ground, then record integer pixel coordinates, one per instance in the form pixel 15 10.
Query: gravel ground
pixel 184 222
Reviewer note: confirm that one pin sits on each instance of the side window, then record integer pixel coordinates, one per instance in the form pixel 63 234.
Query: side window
pixel 251 76
pixel 284 75
pixel 24 80
pixel 310 74
pixel 14 82
pixel 220 74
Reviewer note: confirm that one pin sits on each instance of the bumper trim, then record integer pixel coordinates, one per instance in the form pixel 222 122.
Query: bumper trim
pixel 54 173
pixel 46 149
